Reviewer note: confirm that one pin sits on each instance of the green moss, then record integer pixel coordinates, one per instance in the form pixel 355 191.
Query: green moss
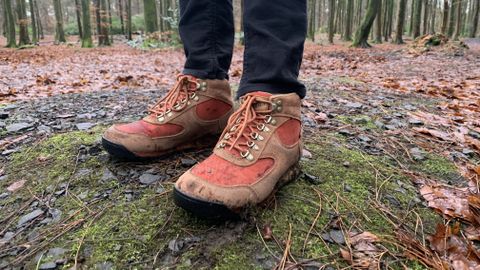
pixel 363 121
pixel 437 166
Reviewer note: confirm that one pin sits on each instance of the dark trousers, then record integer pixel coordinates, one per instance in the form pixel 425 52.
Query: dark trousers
pixel 274 30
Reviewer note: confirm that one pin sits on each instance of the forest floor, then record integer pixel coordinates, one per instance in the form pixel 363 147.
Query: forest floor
pixel 390 168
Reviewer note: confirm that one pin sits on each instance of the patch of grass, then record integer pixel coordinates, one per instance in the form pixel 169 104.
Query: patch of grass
pixel 363 121
pixel 437 166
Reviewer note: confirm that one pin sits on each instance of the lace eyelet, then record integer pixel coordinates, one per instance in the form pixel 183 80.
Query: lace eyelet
pixel 221 145
pixel 247 155
pixel 261 127
pixel 227 136
pixel 254 135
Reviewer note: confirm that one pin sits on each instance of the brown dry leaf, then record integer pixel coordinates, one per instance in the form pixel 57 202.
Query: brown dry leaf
pixel 16 186
pixel 415 250
pixel 365 253
pixel 267 232
pixel 459 252
pixel 449 201
pixel 434 133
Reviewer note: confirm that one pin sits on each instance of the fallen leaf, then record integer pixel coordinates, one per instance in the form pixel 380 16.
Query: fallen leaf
pixel 16 186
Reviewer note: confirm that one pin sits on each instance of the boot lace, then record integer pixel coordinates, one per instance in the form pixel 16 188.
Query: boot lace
pixel 178 97
pixel 246 126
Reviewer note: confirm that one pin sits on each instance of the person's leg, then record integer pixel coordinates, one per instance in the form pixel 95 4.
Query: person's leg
pixel 275 33
pixel 199 104
pixel 207 31
pixel 261 145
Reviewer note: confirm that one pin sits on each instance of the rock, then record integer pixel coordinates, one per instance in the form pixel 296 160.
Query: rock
pixel 18 127
pixel 415 122
pixel 107 175
pixel 4 195
pixel 334 236
pixel 48 265
pixel 354 105
pixel 346 164
pixel 474 134
pixel 104 266
pixel 176 245
pixel 346 132
pixel 56 214
pixel 44 129
pixel 84 126
pixel 56 252
pixel 148 178
pixel 347 188
pixel 312 179
pixel 409 107
pixel 417 154
pixel 306 154
pixel 160 189
pixel 7 237
pixel 465 151
pixel 187 162
pixel 364 138
pixel 379 124
pixel 4 115
pixel 30 216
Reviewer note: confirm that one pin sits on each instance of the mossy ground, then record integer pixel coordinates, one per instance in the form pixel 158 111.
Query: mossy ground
pixel 131 226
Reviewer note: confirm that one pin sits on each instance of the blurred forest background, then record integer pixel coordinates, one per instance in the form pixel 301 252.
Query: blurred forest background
pixel 27 22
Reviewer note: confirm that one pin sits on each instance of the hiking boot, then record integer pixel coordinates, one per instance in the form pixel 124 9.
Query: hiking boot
pixel 257 153
pixel 191 113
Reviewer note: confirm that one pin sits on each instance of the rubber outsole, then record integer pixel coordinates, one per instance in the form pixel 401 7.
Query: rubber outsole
pixel 203 209
pixel 119 151
pixel 212 210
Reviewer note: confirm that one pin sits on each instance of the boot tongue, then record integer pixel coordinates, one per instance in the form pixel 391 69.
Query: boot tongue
pixel 261 106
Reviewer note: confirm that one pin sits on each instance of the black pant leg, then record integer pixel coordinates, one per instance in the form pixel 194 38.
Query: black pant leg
pixel 207 31
pixel 275 32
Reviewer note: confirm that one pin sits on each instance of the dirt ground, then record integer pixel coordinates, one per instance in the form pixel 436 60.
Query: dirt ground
pixel 390 166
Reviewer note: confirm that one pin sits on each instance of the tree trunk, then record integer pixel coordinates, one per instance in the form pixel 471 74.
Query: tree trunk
pixel 103 37
pixel 110 20
pixel 417 18
pixel 361 36
pixel 412 16
pixel 150 12
pixel 331 20
pixel 446 8
pixel 458 22
pixel 59 33
pixel 39 22
pixel 451 18
pixel 34 22
pixel 311 21
pixel 402 6
pixel 434 16
pixel 476 15
pixel 120 14
pixel 378 26
pixel 129 19
pixel 79 18
pixel 426 15
pixel 87 28
pixel 11 39
pixel 347 36
pixel 22 23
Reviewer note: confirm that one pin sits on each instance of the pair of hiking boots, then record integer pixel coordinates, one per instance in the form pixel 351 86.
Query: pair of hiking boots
pixel 258 150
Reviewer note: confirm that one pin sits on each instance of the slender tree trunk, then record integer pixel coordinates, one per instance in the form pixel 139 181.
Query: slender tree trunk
pixel 34 22
pixel 311 20
pixel 446 8
pixel 87 28
pixel 361 36
pixel 451 18
pixel 434 17
pixel 378 26
pixel 476 15
pixel 347 36
pixel 150 11
pixel 22 23
pixel 402 6
pixel 59 33
pixel 458 22
pixel 426 15
pixel 97 16
pixel 11 39
pixel 110 21
pixel 39 22
pixel 331 20
pixel 121 15
pixel 79 18
pixel 417 18
pixel 412 18
pixel 129 19
pixel 104 37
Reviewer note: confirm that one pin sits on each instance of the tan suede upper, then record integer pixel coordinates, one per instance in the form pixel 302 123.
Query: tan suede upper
pixel 193 126
pixel 268 145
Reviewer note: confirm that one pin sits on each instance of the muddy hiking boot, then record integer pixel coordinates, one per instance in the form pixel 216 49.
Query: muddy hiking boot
pixel 257 153
pixel 192 115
